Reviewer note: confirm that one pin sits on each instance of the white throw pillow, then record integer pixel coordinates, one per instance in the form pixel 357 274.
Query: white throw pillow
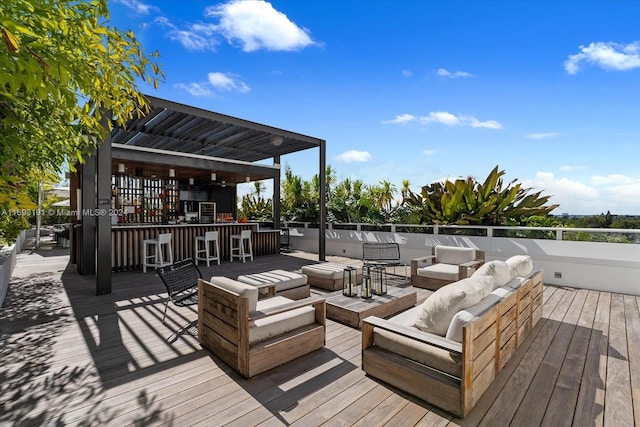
pixel 520 265
pixel 498 269
pixel 438 310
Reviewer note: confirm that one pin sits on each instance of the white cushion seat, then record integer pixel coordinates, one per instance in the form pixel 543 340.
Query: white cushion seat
pixel 282 279
pixel 327 270
pixel 328 275
pixel 281 323
pixel 439 271
pixel 420 352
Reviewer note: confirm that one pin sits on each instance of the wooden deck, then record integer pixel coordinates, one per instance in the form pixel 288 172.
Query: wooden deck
pixel 68 357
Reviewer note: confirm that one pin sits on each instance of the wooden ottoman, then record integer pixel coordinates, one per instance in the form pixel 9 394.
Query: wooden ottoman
pixel 287 283
pixel 328 275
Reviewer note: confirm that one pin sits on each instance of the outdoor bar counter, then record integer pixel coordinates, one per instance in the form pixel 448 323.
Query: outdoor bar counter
pixel 126 240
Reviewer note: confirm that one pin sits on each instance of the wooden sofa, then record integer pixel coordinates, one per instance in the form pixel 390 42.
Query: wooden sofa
pixel 254 336
pixel 450 374
pixel 445 265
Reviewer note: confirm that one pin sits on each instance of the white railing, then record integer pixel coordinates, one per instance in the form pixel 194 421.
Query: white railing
pixel 600 265
pixel 7 264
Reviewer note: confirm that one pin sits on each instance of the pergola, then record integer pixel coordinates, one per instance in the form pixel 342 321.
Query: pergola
pixel 194 141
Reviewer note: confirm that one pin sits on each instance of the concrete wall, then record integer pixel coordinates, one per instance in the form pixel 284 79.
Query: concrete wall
pixel 613 267
pixel 7 264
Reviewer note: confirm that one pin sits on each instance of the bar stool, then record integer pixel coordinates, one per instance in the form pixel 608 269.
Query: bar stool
pixel 208 238
pixel 244 236
pixel 157 252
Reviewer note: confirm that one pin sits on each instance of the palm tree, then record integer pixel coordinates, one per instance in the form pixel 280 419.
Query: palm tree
pixel 258 188
pixel 405 189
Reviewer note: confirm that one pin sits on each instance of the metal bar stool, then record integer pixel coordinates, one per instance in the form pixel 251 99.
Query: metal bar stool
pixel 204 253
pixel 157 252
pixel 244 236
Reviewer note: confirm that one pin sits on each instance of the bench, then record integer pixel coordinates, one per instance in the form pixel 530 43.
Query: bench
pixel 384 254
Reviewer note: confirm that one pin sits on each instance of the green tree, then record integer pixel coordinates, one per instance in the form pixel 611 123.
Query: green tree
pixel 61 68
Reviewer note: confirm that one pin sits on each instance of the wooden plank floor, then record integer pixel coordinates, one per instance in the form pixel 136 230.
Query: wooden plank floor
pixel 68 357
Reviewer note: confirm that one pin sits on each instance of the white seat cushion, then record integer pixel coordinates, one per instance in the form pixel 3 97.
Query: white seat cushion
pixel 327 270
pixel 282 279
pixel 454 255
pixel 281 323
pixel 498 269
pixel 439 308
pixel 426 354
pixel 247 291
pixel 439 271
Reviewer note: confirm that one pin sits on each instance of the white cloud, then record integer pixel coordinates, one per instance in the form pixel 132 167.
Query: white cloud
pixel 442 117
pixel 227 82
pixel 197 37
pixel 407 73
pixel 452 75
pixel 619 194
pixel 626 196
pixel 257 25
pixel 196 89
pixel 489 124
pixel 616 179
pixel 429 152
pixel 449 119
pixel 543 135
pixel 400 119
pixel 569 168
pixel 572 196
pixel 610 56
pixel 138 6
pixel 216 81
pixel 354 156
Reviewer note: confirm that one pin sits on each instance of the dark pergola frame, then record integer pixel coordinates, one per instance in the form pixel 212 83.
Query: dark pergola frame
pixel 180 135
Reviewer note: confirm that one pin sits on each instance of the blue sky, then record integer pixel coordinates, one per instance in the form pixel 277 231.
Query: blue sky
pixel 421 90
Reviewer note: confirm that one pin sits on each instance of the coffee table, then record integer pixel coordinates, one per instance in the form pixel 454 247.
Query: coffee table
pixel 351 310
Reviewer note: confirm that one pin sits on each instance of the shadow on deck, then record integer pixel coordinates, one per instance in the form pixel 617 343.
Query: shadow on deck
pixel 71 357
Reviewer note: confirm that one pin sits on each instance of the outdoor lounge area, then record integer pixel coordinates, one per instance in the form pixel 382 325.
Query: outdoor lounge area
pixel 73 358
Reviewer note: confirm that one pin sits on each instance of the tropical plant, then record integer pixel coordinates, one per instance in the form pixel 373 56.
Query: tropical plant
pixel 467 201
pixel 298 202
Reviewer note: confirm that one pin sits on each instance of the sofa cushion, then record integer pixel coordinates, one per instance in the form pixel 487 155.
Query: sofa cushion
pixel 437 358
pixel 454 255
pixel 439 271
pixel 520 265
pixel 469 314
pixel 281 323
pixel 439 308
pixel 282 279
pixel 498 269
pixel 408 317
pixel 327 270
pixel 247 291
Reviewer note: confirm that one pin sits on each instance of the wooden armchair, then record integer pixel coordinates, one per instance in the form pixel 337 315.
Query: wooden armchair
pixel 447 264
pixel 254 336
